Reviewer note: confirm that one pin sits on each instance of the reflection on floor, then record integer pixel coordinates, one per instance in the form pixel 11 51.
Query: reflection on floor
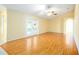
pixel 47 43
pixel 2 51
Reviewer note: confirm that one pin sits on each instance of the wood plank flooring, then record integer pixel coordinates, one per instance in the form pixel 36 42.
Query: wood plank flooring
pixel 44 44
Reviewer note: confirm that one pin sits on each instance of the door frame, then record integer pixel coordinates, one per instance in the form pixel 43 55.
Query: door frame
pixel 3 15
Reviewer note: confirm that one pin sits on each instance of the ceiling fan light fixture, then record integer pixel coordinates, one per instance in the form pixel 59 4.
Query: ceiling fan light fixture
pixel 49 14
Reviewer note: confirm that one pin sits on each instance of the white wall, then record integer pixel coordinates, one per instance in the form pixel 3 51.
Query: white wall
pixel 17 24
pixel 3 24
pixel 57 24
pixel 76 26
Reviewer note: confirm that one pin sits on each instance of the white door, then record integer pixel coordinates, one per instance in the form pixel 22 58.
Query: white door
pixel 32 27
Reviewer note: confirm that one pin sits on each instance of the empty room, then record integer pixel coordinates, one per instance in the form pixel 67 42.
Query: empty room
pixel 39 29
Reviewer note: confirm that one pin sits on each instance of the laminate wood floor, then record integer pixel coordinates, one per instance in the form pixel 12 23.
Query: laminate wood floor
pixel 43 44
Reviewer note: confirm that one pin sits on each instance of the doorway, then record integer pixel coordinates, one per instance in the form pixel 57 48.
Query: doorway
pixel 68 29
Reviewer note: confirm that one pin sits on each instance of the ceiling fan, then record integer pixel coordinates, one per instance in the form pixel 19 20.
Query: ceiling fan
pixel 49 10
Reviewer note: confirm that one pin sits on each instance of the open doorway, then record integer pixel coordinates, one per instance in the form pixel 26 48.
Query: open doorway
pixel 68 30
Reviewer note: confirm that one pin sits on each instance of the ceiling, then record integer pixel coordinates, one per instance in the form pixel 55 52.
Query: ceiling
pixel 47 11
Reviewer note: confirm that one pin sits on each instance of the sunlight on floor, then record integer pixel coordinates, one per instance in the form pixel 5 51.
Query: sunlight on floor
pixel 35 39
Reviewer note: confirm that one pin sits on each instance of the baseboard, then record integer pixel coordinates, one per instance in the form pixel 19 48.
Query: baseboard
pixel 27 36
pixel 35 35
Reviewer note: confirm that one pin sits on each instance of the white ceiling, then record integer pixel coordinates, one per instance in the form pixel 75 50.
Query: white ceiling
pixel 40 10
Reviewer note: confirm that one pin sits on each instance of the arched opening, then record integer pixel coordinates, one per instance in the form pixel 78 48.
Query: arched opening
pixel 68 30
